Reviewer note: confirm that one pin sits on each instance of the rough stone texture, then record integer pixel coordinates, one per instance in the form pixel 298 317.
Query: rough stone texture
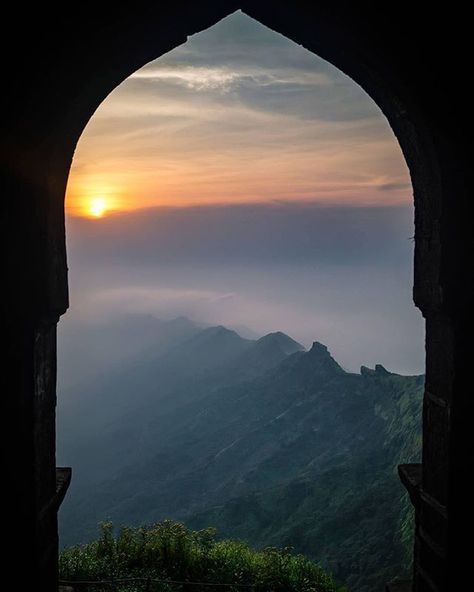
pixel 58 70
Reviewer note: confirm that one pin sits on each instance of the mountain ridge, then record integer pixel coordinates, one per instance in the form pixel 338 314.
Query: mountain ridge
pixel 272 449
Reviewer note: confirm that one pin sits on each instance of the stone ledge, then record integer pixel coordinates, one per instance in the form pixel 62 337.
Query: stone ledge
pixel 63 480
pixel 410 475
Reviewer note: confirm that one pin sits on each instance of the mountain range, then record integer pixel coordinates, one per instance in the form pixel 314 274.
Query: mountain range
pixel 259 438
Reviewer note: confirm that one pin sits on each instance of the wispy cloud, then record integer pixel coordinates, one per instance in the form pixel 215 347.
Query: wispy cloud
pixel 198 78
pixel 143 299
pixel 224 78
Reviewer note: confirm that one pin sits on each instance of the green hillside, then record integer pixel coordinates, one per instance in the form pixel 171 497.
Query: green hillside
pixel 270 444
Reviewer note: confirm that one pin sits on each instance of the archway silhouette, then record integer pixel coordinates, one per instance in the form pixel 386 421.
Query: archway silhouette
pixel 366 46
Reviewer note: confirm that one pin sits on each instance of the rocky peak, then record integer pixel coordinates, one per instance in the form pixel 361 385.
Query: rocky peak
pixel 281 341
pixel 378 371
pixel 321 360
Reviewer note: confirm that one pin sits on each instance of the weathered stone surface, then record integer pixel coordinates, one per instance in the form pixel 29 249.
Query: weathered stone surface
pixel 440 358
pixel 436 450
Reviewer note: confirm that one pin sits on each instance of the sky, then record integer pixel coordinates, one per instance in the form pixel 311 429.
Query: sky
pixel 238 114
pixel 240 179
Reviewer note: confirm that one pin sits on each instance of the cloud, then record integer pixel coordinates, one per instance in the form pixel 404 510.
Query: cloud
pixel 394 186
pixel 264 233
pixel 340 275
pixel 223 77
pixel 156 300
pixel 364 314
pixel 196 78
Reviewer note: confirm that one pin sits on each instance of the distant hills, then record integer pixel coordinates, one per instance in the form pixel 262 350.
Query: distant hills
pixel 258 437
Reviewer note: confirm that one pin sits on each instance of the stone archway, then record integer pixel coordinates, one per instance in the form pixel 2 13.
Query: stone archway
pixel 394 61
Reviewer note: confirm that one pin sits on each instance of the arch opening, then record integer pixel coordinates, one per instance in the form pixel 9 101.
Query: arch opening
pixel 99 204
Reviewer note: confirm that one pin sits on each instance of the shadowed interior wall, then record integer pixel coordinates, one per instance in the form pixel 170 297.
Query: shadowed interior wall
pixel 63 65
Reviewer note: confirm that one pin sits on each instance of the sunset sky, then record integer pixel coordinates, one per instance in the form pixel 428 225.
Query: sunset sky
pixel 242 180
pixel 238 114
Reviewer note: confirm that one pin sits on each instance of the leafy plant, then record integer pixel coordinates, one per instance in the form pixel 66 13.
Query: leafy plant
pixel 176 558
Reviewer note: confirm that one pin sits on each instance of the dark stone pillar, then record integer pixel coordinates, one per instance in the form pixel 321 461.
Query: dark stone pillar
pixel 35 295
pixel 439 487
pixel 36 490
pixel 50 483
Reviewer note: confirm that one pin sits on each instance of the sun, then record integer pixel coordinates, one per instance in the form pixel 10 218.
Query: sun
pixel 97 207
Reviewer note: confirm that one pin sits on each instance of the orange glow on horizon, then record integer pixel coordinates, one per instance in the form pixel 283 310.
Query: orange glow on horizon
pixel 97 207
pixel 91 198
pixel 122 189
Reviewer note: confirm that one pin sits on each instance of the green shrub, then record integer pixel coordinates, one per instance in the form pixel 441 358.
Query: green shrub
pixel 176 556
